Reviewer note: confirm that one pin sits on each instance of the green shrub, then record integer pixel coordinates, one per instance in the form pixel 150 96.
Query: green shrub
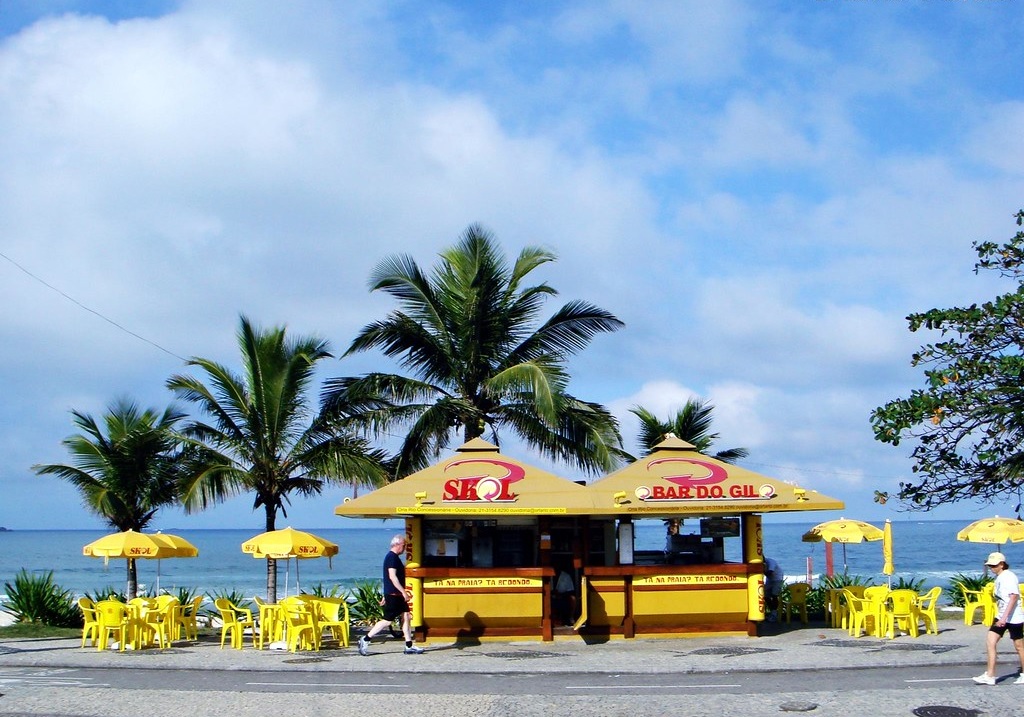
pixel 365 607
pixel 234 596
pixel 184 595
pixel 971 582
pixel 327 591
pixel 108 593
pixel 36 598
pixel 909 584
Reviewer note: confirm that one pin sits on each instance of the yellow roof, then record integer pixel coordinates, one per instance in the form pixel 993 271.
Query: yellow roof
pixel 478 481
pixel 675 479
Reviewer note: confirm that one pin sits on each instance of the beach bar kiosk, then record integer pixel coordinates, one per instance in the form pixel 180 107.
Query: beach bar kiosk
pixel 687 586
pixel 489 539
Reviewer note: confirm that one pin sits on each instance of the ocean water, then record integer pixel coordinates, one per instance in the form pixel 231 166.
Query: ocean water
pixel 923 550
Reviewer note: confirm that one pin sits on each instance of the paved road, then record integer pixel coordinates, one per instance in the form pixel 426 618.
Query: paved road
pixel 541 683
pixel 815 668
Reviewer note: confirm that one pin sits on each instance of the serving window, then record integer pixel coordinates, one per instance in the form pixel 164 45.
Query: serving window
pixel 479 544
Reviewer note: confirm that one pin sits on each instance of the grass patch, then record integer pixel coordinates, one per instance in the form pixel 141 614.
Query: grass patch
pixel 34 629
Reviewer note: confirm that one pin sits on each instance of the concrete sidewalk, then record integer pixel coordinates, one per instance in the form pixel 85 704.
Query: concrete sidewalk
pixel 783 647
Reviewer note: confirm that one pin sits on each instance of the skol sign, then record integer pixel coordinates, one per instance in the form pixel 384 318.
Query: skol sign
pixel 483 488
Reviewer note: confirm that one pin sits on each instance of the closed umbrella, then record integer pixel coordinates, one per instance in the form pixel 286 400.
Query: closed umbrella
pixel 289 543
pixel 887 568
pixel 993 530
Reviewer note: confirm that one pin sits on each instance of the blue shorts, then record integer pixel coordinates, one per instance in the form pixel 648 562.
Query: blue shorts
pixel 1016 630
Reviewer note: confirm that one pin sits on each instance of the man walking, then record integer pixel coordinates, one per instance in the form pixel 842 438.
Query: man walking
pixel 1009 618
pixel 396 599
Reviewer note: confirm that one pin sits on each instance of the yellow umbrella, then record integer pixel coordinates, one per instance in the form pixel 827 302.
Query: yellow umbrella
pixel 289 543
pixel 178 547
pixel 127 544
pixel 888 568
pixel 132 545
pixel 843 531
pixel 993 530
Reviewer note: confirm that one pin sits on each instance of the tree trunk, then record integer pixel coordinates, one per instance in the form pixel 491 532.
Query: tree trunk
pixel 271 563
pixel 133 580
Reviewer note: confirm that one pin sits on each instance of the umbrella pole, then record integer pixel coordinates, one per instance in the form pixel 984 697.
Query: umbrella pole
pixel 298 588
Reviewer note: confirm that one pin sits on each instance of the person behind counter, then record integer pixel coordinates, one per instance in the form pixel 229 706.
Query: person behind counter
pixel 773 582
pixel 564 597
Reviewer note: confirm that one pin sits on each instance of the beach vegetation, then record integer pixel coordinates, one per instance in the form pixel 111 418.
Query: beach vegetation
pixel 915 584
pixel 125 466
pixel 327 591
pixel 691 423
pixel 966 423
pixel 185 595
pixel 264 436
pixel 959 582
pixel 479 360
pixel 235 597
pixel 365 606
pixel 36 598
pixel 110 592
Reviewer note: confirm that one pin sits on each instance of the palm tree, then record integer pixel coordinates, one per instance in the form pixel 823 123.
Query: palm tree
pixel 126 469
pixel 264 438
pixel 469 335
pixel 692 423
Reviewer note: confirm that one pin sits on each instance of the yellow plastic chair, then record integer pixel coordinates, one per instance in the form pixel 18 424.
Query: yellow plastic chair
pixel 861 614
pixel 332 614
pixel 843 617
pixel 113 618
pixel 926 605
pixel 188 619
pixel 876 595
pixel 234 621
pixel 271 622
pixel 901 612
pixel 983 599
pixel 146 622
pixel 168 610
pixel 90 623
pixel 794 598
pixel 301 627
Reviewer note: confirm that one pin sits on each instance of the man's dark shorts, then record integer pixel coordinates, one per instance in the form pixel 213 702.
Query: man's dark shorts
pixel 1016 630
pixel 394 606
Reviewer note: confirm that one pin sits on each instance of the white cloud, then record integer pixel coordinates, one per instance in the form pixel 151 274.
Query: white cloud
pixel 761 195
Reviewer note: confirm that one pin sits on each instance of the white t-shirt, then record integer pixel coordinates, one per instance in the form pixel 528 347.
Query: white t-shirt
pixel 1007 585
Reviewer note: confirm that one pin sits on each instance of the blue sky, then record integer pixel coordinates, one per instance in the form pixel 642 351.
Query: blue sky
pixel 762 191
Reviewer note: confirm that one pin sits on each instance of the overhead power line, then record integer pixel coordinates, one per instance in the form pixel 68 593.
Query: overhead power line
pixel 80 305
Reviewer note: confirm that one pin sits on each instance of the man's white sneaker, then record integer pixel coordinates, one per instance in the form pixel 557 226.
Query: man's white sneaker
pixel 1019 680
pixel 364 646
pixel 413 650
pixel 986 679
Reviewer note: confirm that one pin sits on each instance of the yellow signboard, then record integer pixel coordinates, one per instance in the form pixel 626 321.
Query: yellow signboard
pixel 690 580
pixel 481 509
pixel 471 583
